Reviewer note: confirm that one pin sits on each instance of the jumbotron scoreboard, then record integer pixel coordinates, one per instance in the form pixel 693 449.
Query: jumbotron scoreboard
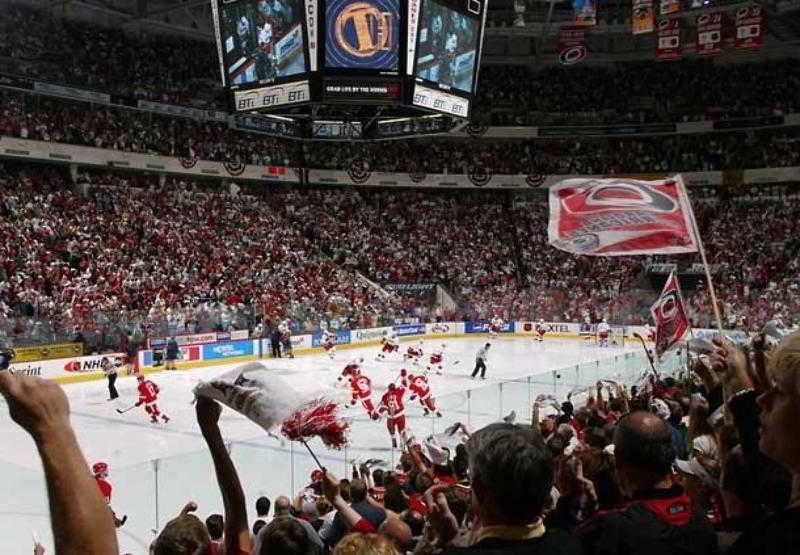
pixel 417 56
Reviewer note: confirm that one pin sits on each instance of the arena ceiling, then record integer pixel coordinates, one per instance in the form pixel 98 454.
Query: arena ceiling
pixel 517 32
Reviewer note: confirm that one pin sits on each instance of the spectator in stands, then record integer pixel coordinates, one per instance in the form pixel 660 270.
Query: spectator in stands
pixel 512 475
pixel 768 433
pixel 659 518
pixel 262 511
pixel 215 525
pixel 283 505
pixel 359 503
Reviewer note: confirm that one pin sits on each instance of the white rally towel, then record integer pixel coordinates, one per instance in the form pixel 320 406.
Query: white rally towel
pixel 258 392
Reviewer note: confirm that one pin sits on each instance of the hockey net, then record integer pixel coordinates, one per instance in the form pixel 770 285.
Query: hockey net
pixel 617 336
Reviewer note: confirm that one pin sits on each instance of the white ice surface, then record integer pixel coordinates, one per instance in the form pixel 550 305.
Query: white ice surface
pixel 155 469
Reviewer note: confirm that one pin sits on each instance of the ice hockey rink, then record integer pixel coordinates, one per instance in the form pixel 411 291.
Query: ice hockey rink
pixel 157 468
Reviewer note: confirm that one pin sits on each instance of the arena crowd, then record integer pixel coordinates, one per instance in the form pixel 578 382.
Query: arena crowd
pixel 706 462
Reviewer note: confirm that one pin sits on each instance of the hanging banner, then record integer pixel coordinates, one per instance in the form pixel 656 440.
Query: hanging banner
pixel 571 47
pixel 585 13
pixel 668 45
pixel 750 27
pixel 643 20
pixel 667 7
pixel 709 34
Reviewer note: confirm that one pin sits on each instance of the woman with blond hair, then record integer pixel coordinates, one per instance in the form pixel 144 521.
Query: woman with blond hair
pixel 365 544
pixel 763 395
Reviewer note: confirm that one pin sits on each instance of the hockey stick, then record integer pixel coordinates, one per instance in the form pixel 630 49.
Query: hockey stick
pixel 123 411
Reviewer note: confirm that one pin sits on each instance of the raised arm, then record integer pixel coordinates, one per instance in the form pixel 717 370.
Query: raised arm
pixel 237 532
pixel 80 519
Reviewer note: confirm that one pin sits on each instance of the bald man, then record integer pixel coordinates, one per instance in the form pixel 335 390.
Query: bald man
pixel 658 517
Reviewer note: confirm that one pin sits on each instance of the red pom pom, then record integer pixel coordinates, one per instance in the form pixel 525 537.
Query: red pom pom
pixel 317 418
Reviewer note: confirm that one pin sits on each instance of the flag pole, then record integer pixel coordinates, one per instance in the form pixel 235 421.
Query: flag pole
pixel 701 248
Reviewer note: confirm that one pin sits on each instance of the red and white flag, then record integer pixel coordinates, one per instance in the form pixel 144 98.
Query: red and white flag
pixel 669 314
pixel 620 217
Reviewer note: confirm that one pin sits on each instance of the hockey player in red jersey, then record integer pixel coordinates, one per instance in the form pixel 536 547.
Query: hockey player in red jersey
pixel 361 386
pixel 436 360
pixel 414 353
pixel 352 369
pixel 100 471
pixel 541 330
pixel 392 405
pixel 148 395
pixel 420 388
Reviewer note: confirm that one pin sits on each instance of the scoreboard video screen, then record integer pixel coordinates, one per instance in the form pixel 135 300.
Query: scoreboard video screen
pixel 422 54
pixel 362 34
pixel 447 44
pixel 448 39
pixel 262 40
pixel 261 43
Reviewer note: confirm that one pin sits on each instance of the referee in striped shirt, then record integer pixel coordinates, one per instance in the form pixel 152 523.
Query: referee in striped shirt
pixel 480 361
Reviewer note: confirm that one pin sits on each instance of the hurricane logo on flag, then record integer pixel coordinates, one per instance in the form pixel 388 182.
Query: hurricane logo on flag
pixel 615 217
pixel 669 315
pixel 616 195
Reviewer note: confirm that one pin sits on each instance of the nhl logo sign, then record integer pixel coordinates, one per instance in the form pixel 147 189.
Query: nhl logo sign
pixel 234 168
pixel 535 179
pixel 359 171
pixel 479 176
pixel 417 177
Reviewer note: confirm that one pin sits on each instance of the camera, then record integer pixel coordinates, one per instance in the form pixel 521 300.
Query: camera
pixel 6 356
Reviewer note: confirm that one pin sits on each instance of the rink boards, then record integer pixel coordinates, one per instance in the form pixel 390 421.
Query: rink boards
pixel 203 354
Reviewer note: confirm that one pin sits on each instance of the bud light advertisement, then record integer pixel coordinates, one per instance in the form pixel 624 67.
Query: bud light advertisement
pixel 409 329
pixel 483 327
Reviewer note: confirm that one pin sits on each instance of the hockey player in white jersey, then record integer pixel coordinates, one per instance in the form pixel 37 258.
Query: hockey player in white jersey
pixel 328 341
pixel 495 326
pixel 436 360
pixel 391 344
pixel 603 330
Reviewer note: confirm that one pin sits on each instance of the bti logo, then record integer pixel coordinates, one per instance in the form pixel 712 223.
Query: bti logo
pixel 270 99
pixel 296 96
pixel 245 103
pixel 373 29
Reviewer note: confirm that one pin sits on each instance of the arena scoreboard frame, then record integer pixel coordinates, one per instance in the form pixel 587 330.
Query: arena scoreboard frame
pixel 404 55
pixel 447 39
pixel 263 51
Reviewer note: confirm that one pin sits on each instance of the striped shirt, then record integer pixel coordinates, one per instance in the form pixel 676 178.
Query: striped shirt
pixel 483 354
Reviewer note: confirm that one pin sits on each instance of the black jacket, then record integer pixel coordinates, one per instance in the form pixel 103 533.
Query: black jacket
pixel 778 534
pixel 553 542
pixel 657 522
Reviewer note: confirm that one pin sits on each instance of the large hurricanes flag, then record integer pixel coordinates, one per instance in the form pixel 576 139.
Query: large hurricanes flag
pixel 620 216
pixel 669 314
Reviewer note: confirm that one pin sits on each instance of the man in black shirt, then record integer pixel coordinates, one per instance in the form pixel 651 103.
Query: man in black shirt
pixel 658 518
